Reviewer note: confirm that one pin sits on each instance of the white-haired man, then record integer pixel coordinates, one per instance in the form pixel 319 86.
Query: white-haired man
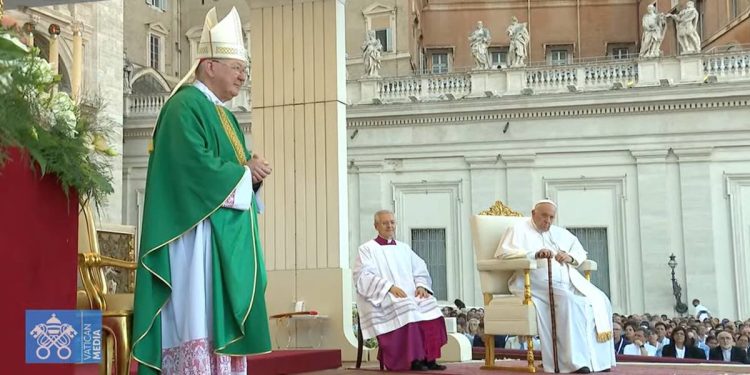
pixel 199 298
pixel 584 326
pixel 395 302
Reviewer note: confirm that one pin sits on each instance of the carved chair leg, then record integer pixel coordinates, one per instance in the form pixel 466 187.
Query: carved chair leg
pixel 530 354
pixel 489 350
pixel 360 343
pixel 119 326
pixel 105 366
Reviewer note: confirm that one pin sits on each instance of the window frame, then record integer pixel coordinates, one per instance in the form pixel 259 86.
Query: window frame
pixel 550 49
pixel 160 5
pixel 430 52
pixel 499 50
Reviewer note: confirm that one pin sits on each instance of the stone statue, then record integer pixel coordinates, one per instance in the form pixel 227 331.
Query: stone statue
pixel 111 281
pixel 127 73
pixel 686 23
pixel 372 51
pixel 654 26
pixel 519 43
pixel 479 41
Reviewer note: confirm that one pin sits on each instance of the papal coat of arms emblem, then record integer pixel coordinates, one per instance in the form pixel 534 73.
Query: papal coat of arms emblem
pixel 53 336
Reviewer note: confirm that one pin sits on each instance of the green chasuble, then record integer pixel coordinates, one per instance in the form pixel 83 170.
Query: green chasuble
pixel 192 170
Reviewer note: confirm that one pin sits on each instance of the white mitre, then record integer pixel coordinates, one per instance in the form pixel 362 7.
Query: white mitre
pixel 219 40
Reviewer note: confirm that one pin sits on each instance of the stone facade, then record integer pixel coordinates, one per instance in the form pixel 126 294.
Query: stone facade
pixel 102 62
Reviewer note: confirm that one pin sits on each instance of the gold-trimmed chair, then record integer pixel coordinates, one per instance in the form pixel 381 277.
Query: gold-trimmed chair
pixel 117 308
pixel 504 313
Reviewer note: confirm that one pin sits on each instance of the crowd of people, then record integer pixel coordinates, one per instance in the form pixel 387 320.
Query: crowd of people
pixel 698 336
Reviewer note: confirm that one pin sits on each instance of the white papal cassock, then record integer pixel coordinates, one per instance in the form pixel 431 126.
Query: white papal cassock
pixel 584 313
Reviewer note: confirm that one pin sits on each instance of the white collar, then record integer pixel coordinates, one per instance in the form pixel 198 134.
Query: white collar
pixel 208 93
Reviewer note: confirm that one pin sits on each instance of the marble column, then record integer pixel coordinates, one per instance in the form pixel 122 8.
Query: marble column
pixel 651 271
pixel 28 29
pixel 54 55
pixel 299 123
pixel 76 74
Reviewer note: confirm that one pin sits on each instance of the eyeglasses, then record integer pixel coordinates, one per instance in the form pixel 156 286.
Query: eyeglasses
pixel 238 69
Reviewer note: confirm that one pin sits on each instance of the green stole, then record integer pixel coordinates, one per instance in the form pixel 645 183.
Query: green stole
pixel 198 157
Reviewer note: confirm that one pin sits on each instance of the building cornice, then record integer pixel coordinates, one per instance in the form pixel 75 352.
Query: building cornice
pixel 595 104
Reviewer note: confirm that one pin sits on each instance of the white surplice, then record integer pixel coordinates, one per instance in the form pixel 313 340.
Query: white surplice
pixel 584 313
pixel 376 270
pixel 187 317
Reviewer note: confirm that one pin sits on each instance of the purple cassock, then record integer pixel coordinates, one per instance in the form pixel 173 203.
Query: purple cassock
pixel 414 341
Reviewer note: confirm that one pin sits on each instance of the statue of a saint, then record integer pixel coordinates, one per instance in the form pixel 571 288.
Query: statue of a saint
pixel 479 41
pixel 686 23
pixel 127 73
pixel 372 51
pixel 654 26
pixel 519 43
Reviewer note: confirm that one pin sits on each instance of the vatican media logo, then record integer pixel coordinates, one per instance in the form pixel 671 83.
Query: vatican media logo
pixel 63 336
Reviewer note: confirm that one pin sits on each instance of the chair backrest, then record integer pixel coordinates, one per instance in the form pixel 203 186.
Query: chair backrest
pixel 88 243
pixel 487 229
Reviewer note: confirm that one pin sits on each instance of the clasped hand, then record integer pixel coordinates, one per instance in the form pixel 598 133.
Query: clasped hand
pixel 561 257
pixel 259 167
pixel 398 292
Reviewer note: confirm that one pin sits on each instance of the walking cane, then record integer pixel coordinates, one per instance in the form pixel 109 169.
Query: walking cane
pixel 552 312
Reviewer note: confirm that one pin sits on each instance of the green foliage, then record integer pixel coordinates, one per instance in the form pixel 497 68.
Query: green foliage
pixel 62 138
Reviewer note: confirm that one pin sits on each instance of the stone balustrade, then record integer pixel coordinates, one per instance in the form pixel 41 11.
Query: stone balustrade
pixel 144 105
pixel 139 105
pixel 554 79
pixel 535 80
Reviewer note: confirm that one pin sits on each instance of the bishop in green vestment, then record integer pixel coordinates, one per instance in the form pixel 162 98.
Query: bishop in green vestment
pixel 200 283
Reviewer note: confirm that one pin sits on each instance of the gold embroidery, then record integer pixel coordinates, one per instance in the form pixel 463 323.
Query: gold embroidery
pixel 239 151
pixel 604 336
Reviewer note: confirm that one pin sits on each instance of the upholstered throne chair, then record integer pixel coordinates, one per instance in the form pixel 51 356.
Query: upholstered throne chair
pixel 505 314
pixel 116 307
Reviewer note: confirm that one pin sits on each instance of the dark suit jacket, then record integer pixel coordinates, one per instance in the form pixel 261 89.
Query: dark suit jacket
pixel 499 341
pixel 738 355
pixel 690 352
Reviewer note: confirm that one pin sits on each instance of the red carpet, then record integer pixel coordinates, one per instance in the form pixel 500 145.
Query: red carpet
pixel 293 361
pixel 621 369
pixel 287 362
pixel 478 354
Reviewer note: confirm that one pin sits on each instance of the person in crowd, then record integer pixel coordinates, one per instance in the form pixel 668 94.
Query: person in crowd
pixel 618 338
pixel 461 324
pixel 472 329
pixel 681 346
pixel 640 346
pixel 701 312
pixel 521 342
pixel 629 330
pixel 742 343
pixel 661 339
pixel 479 338
pixel 396 303
pixel 726 351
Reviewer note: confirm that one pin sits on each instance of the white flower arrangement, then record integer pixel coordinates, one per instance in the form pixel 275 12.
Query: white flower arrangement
pixel 60 136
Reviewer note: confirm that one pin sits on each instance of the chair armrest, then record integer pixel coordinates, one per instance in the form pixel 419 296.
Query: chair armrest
pixel 588 265
pixel 506 265
pixel 88 260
